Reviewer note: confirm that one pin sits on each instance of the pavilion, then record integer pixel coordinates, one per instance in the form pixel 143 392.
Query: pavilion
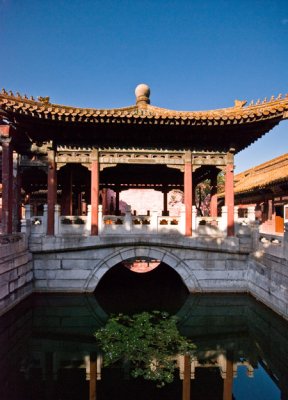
pixel 62 159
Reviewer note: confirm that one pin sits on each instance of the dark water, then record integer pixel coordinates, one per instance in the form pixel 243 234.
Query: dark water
pixel 47 345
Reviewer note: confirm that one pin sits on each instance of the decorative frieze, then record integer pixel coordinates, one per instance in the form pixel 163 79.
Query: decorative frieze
pixel 112 157
pixel 209 159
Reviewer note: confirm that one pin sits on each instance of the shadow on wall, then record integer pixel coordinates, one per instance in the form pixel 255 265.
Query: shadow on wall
pixel 123 291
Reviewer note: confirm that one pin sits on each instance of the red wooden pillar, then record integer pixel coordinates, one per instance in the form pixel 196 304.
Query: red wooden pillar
pixel 229 195
pixel 52 191
pixel 228 381
pixel 213 203
pixel 94 194
pixel 93 376
pixel 7 179
pixel 188 193
pixel 186 388
pixel 270 209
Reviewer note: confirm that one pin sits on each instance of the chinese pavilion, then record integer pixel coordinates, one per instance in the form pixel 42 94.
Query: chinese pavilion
pixel 55 155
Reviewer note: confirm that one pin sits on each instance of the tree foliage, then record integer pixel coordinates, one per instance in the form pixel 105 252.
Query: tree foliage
pixel 148 342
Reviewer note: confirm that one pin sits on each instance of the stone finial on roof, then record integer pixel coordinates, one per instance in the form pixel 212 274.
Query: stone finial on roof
pixel 142 93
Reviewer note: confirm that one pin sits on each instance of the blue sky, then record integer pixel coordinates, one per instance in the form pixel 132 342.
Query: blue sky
pixel 194 55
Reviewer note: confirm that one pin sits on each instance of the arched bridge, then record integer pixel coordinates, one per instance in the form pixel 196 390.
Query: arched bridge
pixel 76 264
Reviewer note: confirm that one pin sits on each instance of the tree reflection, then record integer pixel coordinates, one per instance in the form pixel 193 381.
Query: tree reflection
pixel 148 342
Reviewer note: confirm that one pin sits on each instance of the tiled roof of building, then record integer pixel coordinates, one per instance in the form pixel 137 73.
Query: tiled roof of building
pixel 274 109
pixel 267 174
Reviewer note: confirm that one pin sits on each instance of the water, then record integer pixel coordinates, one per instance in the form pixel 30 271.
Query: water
pixel 46 343
pixel 47 348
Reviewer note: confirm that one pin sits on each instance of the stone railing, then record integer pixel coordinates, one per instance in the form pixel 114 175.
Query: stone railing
pixel 149 224
pixel 273 244
pixel 135 224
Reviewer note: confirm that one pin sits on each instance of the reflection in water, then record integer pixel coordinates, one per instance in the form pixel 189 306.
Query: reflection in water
pixel 48 352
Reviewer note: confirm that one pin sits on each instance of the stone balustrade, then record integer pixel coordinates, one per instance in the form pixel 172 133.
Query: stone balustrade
pixel 154 223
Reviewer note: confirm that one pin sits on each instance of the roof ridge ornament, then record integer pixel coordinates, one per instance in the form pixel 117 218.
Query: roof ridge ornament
pixel 239 103
pixel 44 100
pixel 142 93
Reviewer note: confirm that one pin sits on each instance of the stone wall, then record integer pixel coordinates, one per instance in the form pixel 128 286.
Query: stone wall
pixel 16 271
pixel 268 281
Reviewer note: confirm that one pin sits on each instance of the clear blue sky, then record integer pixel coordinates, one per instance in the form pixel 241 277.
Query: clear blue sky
pixel 194 55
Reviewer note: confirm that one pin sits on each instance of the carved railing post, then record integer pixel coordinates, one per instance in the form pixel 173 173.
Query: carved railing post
pixel 88 220
pixel 100 219
pixel 57 211
pixel 224 219
pixel 154 221
pixel 128 219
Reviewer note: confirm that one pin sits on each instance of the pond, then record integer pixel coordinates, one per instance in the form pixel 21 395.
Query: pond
pixel 48 351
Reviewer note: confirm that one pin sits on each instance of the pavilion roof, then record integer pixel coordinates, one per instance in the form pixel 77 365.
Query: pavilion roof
pixel 239 113
pixel 232 127
pixel 262 176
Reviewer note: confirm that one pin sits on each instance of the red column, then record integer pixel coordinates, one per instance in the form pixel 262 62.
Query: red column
pixel 188 194
pixel 94 195
pixel 213 203
pixel 229 198
pixel 93 376
pixel 270 209
pixel 52 191
pixel 7 179
pixel 228 381
pixel 186 388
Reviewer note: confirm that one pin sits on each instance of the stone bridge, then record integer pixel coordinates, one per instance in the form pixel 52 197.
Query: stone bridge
pixel 78 264
pixel 70 264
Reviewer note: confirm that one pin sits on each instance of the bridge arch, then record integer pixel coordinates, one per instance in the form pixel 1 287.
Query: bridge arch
pixel 119 255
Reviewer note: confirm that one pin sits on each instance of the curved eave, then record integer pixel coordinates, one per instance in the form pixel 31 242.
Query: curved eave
pixel 17 106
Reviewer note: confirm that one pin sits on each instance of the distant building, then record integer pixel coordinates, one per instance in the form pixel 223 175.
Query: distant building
pixel 264 187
